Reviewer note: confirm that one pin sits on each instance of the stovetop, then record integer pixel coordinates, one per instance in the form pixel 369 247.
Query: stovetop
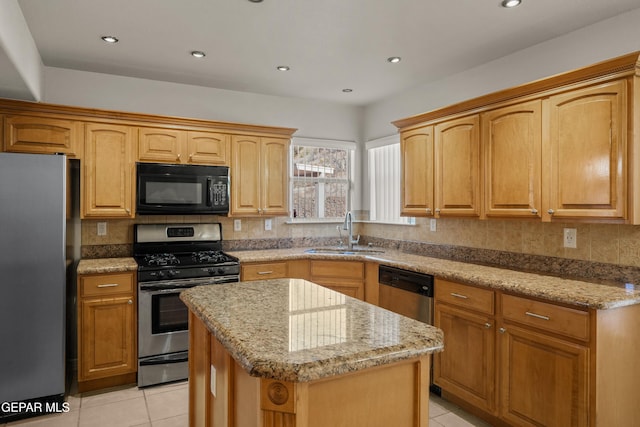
pixel 189 259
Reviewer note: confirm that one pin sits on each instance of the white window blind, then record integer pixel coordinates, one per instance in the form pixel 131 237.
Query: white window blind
pixel 384 184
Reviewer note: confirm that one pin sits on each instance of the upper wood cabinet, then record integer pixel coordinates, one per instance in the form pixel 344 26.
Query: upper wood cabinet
pixel 42 135
pixel 585 153
pixel 259 176
pixel 512 144
pixel 180 146
pixel 416 157
pixel 562 148
pixel 457 167
pixel 107 172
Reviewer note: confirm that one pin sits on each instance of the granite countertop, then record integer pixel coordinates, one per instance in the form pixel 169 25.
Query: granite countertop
pixel 574 292
pixel 106 265
pixel 295 330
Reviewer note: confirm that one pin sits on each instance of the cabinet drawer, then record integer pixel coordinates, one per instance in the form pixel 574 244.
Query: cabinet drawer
pixel 341 269
pixel 550 317
pixel 107 284
pixel 262 271
pixel 481 300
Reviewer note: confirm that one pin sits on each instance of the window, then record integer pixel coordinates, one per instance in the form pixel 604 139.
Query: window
pixel 320 179
pixel 384 181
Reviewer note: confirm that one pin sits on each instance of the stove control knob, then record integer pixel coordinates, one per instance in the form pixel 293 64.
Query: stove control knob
pixel 221 271
pixel 171 273
pixel 211 271
pixel 160 274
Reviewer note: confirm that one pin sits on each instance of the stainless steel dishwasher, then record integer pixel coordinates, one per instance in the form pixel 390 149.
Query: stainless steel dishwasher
pixel 406 292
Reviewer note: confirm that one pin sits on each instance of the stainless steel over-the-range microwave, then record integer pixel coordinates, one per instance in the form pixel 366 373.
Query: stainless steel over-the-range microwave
pixel 167 189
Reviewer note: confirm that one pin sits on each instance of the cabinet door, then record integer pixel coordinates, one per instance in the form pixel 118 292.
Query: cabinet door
pixel 245 175
pixel 512 143
pixel 457 167
pixel 160 145
pixel 275 177
pixel 416 157
pixel 107 338
pixel 544 380
pixel 107 172
pixel 466 367
pixel 29 134
pixel 207 148
pixel 585 162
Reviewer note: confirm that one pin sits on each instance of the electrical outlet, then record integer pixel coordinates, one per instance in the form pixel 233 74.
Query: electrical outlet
pixel 570 237
pixel 237 225
pixel 432 224
pixel 102 229
pixel 267 224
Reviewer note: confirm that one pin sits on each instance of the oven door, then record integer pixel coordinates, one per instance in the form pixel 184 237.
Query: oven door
pixel 182 189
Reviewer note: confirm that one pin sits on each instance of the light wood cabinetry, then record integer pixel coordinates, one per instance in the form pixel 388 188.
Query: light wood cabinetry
pixel 42 135
pixel 347 277
pixel 561 148
pixel 108 172
pixel 180 146
pixel 259 176
pixel 585 153
pixel 416 157
pixel 512 145
pixel 544 370
pixel 457 167
pixel 107 345
pixel 466 368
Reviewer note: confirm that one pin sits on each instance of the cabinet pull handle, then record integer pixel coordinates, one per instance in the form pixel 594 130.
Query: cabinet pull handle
pixel 551 211
pixel 178 158
pixel 502 330
pixel 534 211
pixel 428 210
pixel 487 325
pixel 537 316
pixel 108 285
pixel 130 302
pixel 453 294
pixel 437 210
pixel 265 272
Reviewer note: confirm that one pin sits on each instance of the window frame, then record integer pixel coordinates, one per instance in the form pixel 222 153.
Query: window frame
pixel 349 146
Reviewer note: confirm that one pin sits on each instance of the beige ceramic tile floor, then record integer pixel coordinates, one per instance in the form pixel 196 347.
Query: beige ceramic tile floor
pixel 166 406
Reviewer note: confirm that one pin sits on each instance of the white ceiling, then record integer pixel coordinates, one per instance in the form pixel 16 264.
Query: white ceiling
pixel 329 44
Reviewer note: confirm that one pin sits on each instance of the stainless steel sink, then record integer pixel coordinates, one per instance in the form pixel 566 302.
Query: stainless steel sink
pixel 343 251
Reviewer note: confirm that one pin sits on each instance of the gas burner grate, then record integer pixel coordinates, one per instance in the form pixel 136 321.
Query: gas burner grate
pixel 161 259
pixel 202 257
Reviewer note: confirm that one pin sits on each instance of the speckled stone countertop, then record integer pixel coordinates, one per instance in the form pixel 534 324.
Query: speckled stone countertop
pixel 106 265
pixel 574 292
pixel 294 330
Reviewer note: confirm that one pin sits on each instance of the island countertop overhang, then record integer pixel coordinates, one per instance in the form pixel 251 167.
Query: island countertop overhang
pixel 294 330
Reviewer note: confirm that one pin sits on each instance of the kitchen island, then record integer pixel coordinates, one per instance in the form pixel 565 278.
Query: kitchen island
pixel 288 352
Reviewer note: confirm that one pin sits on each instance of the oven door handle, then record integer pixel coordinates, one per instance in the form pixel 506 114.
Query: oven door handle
pixel 163 360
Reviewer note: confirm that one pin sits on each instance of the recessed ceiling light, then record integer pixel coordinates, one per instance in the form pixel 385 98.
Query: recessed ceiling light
pixel 109 39
pixel 394 59
pixel 510 3
pixel 255 1
pixel 198 54
pixel 281 67
pixel 347 90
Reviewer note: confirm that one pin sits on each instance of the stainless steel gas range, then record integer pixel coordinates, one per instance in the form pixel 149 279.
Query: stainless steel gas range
pixel 171 258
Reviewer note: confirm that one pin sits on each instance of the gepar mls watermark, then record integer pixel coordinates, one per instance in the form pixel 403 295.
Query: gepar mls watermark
pixel 31 407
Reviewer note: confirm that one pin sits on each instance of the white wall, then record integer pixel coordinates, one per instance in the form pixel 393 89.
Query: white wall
pixel 604 40
pixel 313 119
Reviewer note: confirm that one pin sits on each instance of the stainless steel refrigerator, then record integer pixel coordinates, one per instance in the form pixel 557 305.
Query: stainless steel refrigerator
pixel 33 191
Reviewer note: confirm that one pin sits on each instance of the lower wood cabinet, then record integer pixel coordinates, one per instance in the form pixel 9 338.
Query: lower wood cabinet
pixel 353 278
pixel 347 277
pixel 107 325
pixel 529 362
pixel 467 366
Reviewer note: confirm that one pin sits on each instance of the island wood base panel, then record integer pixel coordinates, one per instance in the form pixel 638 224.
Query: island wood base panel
pixel 390 395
